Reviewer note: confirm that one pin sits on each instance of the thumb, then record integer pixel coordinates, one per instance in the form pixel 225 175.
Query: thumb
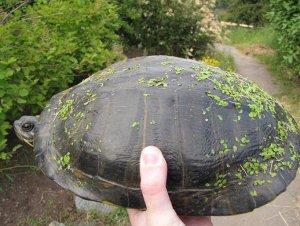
pixel 153 170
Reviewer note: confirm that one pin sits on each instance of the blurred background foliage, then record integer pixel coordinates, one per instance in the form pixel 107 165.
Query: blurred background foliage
pixel 276 21
pixel 179 28
pixel 284 16
pixel 243 11
pixel 45 45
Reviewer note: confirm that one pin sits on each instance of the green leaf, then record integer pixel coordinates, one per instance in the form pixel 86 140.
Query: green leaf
pixel 2 92
pixel 6 73
pixel 23 92
pixel 21 101
pixel 15 148
pixel 10 61
pixel 4 156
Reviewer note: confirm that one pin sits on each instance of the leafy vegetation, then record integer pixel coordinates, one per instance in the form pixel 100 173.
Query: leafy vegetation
pixel 46 46
pixel 64 162
pixel 285 18
pixel 244 11
pixel 167 27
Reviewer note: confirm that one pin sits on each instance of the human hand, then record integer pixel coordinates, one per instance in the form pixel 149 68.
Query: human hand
pixel 160 212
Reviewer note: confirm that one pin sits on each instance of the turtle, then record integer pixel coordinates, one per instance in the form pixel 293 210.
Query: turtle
pixel 230 147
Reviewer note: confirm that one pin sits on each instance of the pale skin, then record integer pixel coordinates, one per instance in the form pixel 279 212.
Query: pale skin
pixel 160 212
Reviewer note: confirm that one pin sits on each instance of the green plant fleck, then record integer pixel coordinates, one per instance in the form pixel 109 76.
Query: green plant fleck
pixel 81 183
pixel 256 110
pixel 204 74
pixel 272 151
pixel 178 70
pixel 164 63
pixel 252 166
pixel 221 181
pixel 64 162
pixel 292 125
pixel 126 69
pixel 152 122
pixel 264 167
pixel 79 116
pixel 66 110
pixel 91 97
pixel 282 130
pixel 141 80
pixel 253 193
pixel 234 148
pixel 88 125
pixel 245 140
pixel 146 94
pixel 239 175
pixel 157 82
pixel 220 117
pixel 218 100
pixel 134 124
pixel 259 182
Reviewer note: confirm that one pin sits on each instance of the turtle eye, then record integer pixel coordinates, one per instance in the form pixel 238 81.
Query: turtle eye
pixel 27 127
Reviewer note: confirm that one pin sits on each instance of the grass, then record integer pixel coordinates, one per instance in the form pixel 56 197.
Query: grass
pixel 244 39
pixel 33 221
pixel 118 217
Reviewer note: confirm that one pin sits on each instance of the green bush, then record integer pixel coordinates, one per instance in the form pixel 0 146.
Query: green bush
pixel 45 48
pixel 285 17
pixel 165 27
pixel 9 5
pixel 245 11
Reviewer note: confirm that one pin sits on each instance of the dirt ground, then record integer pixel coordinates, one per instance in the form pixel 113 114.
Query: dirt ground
pixel 28 197
pixel 258 50
pixel 32 198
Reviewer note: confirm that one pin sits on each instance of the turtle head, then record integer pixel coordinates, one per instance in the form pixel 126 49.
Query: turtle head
pixel 24 128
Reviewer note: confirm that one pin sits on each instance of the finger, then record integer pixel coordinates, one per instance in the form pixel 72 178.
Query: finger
pixel 132 213
pixel 195 221
pixel 135 217
pixel 153 170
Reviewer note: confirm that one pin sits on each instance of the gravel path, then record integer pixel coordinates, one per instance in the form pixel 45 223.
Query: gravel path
pixel 285 209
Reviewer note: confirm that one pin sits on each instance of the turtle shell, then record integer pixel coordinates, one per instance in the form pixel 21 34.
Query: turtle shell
pixel 229 146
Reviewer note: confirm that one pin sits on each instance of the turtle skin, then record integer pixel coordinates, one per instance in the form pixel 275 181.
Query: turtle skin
pixel 229 146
